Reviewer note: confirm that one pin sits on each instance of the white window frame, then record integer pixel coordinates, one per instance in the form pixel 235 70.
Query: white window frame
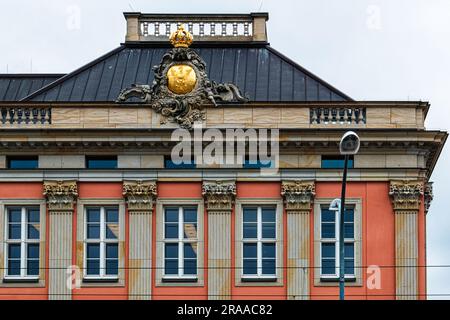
pixel 259 240
pixel 102 241
pixel 23 241
pixel 180 241
pixel 336 243
pixel 332 281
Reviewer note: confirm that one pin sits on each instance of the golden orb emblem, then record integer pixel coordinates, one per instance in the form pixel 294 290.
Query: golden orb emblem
pixel 181 78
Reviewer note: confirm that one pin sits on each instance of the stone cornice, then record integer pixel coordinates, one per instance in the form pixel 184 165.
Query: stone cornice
pixel 219 195
pixel 140 195
pixel 406 195
pixel 60 194
pixel 298 195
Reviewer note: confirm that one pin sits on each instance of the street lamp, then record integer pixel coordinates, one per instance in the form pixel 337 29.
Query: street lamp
pixel 349 145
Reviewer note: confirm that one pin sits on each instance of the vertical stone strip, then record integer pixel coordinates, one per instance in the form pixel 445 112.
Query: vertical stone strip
pixel 298 198
pixel 406 197
pixel 219 199
pixel 61 196
pixel 140 197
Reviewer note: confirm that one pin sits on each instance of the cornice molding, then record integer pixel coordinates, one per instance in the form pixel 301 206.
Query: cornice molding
pixel 298 195
pixel 406 195
pixel 140 195
pixel 60 195
pixel 219 195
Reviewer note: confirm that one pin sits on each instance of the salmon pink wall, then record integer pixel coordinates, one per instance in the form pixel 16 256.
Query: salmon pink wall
pixel 185 190
pixel 378 242
pixel 263 190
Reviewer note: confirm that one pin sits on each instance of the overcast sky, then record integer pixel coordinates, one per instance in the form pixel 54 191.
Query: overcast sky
pixel 370 50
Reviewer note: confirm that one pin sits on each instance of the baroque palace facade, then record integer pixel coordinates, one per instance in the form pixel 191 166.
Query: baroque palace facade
pixel 92 206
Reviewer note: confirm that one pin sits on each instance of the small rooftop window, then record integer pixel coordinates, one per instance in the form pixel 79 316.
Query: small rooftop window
pixel 23 162
pixel 101 162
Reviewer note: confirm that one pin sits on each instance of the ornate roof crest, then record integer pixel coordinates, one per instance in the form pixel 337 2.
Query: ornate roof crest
pixel 181 87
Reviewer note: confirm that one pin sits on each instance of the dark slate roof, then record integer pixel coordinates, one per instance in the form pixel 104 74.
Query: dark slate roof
pixel 262 74
pixel 14 87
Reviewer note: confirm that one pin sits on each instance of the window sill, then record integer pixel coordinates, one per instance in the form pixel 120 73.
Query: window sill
pixel 21 280
pixel 259 279
pixel 179 279
pixel 100 280
pixel 336 279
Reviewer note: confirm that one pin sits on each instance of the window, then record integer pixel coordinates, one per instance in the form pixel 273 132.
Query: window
pixel 22 242
pixel 169 164
pixel 101 242
pixel 329 242
pixel 101 162
pixel 336 162
pixel 259 242
pixel 256 164
pixel 180 242
pixel 21 162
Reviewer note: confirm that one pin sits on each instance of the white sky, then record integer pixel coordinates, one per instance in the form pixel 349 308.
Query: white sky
pixel 370 50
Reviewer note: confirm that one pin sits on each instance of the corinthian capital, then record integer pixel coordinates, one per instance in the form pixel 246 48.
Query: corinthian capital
pixel 139 195
pixel 428 195
pixel 60 194
pixel 405 195
pixel 219 195
pixel 298 195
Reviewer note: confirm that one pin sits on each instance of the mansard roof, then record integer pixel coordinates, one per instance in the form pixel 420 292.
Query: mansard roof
pixel 14 87
pixel 262 73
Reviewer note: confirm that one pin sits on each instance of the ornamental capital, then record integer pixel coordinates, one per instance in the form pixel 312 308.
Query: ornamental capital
pixel 219 195
pixel 60 195
pixel 405 195
pixel 428 195
pixel 298 195
pixel 139 195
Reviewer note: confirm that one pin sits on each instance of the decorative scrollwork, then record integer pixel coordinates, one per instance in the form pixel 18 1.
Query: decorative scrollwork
pixel 139 195
pixel 406 195
pixel 60 194
pixel 298 195
pixel 219 195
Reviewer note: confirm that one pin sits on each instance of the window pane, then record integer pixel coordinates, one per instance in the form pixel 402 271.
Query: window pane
pixel 93 250
pixel 14 251
pixel 268 266
pixel 171 231
pixel 349 250
pixel 93 231
pixel 250 214
pixel 23 163
pixel 112 267
pixel 33 251
pixel 13 267
pixel 171 215
pixel 112 231
pixel 171 250
pixel 101 162
pixel 112 251
pixel 349 215
pixel 328 215
pixel 190 215
pixel 349 266
pixel 190 266
pixel 328 266
pixel 250 230
pixel 328 250
pixel 14 231
pixel 268 230
pixel 190 250
pixel 33 267
pixel 250 266
pixel 33 215
pixel 328 230
pixel 14 215
pixel 250 250
pixel 268 250
pixel 349 230
pixel 268 215
pixel 171 266
pixel 112 215
pixel 93 215
pixel 33 230
pixel 93 266
pixel 190 230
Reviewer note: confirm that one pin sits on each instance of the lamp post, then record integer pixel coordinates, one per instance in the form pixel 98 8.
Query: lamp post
pixel 349 145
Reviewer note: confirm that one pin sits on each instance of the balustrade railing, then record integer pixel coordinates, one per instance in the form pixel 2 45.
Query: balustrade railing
pixel 25 115
pixel 337 115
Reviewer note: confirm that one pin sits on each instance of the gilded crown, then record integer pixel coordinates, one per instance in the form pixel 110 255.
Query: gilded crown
pixel 181 37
